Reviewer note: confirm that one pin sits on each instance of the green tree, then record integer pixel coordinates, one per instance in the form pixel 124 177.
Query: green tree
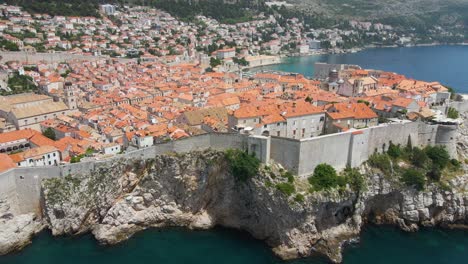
pixel 20 84
pixel 324 177
pixel 241 61
pixel 419 157
pixel 413 177
pixel 242 165
pixel 286 188
pixel 452 113
pixel 214 62
pixel 452 91
pixel 435 174
pixel 394 151
pixel 381 161
pixel 355 179
pixel 439 156
pixel 50 133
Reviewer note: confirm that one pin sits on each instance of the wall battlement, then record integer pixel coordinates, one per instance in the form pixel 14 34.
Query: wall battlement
pixel 22 186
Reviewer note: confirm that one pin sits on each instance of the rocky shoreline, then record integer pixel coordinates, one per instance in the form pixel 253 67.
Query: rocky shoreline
pixel 196 190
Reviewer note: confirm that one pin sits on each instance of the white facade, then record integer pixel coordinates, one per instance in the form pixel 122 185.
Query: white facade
pixel 108 9
pixel 305 126
pixel 47 159
pixel 112 149
pixel 143 141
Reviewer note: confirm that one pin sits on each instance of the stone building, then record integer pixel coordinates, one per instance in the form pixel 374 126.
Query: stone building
pixel 28 110
pixel 344 116
pixel 40 156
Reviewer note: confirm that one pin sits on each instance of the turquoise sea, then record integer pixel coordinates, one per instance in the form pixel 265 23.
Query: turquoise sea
pixel 445 64
pixel 379 245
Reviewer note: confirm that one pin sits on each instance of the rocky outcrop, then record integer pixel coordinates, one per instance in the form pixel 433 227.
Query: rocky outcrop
pixel 16 231
pixel 196 190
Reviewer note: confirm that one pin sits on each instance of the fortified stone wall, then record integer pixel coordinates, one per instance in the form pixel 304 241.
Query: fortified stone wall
pixel 47 57
pixel 332 149
pixel 21 186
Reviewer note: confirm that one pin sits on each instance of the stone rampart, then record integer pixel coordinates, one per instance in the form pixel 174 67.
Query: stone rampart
pixel 21 186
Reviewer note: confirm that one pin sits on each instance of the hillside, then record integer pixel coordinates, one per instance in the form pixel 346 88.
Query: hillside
pixel 392 11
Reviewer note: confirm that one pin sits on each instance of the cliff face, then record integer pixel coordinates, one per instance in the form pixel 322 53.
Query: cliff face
pixel 196 190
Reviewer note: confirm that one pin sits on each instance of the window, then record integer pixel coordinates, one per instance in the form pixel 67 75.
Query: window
pixel 278 124
pixel 50 163
pixel 322 118
pixel 278 133
pixel 265 126
pixel 54 155
pixel 294 132
pixel 294 123
pixel 48 156
pixel 245 121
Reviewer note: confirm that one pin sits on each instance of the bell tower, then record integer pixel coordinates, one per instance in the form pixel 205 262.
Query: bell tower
pixel 70 97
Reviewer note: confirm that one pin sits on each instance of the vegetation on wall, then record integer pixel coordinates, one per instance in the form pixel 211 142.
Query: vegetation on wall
pixel 228 13
pixel 19 84
pixel 8 45
pixel 242 165
pixel 59 7
pixel 414 166
pixel 49 132
pixel 452 113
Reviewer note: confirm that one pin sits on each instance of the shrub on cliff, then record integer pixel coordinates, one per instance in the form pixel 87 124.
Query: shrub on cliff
pixel 324 177
pixel 394 151
pixel 413 177
pixel 288 175
pixel 299 198
pixel 419 158
pixel 381 161
pixel 286 188
pixel 452 113
pixel 355 179
pixel 242 165
pixel 439 156
pixel 435 174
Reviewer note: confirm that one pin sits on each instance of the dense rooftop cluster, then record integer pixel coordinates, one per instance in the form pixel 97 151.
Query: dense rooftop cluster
pixel 90 107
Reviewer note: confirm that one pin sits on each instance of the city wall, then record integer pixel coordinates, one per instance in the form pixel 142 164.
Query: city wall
pixel 33 58
pixel 21 186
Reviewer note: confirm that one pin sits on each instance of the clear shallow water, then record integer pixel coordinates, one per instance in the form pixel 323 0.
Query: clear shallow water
pixel 445 64
pixel 379 245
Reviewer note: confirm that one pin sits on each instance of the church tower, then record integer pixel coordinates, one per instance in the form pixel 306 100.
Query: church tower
pixel 70 97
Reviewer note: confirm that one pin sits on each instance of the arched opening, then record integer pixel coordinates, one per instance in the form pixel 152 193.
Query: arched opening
pixel 266 133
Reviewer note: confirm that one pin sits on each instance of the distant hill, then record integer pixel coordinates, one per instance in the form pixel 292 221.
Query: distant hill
pixel 419 14
pixel 58 7
pixel 405 12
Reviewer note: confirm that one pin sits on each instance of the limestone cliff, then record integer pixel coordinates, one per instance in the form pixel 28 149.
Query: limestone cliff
pixel 16 230
pixel 196 190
